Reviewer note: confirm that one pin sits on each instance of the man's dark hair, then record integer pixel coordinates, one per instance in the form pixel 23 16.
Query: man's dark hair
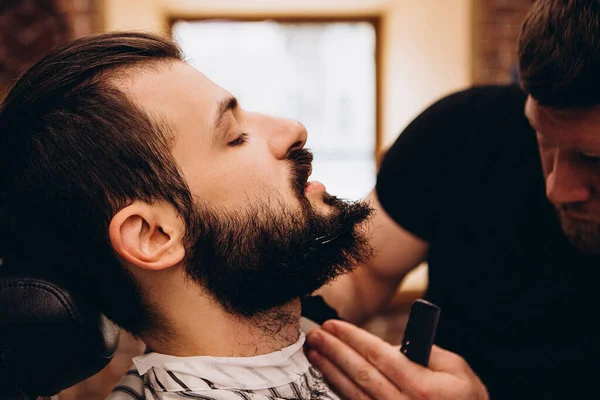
pixel 559 53
pixel 74 149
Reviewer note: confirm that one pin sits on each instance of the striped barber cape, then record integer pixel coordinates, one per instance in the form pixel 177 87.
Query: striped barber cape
pixel 284 374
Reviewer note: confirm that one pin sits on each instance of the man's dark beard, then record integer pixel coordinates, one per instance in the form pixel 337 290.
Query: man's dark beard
pixel 267 255
pixel 583 235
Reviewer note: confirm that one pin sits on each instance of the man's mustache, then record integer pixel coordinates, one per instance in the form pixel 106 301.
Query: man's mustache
pixel 579 211
pixel 300 164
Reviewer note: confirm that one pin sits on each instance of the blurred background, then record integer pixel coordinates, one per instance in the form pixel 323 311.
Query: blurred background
pixel 355 72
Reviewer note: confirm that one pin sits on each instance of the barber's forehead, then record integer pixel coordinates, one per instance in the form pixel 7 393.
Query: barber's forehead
pixel 576 128
pixel 539 114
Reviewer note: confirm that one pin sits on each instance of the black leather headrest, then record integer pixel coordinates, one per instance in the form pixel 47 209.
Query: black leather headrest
pixel 48 341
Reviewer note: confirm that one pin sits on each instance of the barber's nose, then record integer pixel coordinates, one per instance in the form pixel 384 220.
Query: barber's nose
pixel 567 181
pixel 287 136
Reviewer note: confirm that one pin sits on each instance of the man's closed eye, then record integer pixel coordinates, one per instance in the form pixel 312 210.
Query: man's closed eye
pixel 240 140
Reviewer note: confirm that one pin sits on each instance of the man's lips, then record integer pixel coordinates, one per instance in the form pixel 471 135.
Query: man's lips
pixel 314 186
pixel 585 217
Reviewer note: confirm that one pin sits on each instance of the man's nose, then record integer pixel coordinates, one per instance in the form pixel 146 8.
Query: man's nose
pixel 287 136
pixel 567 181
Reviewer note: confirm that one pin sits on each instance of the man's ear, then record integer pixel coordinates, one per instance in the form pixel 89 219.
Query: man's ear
pixel 149 236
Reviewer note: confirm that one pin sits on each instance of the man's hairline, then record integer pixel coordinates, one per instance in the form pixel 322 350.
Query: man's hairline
pixel 121 78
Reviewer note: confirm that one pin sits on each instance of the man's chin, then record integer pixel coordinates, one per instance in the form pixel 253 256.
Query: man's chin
pixel 322 208
pixel 583 235
pixel 321 202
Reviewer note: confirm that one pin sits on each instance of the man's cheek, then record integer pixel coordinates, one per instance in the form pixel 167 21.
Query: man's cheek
pixel 547 158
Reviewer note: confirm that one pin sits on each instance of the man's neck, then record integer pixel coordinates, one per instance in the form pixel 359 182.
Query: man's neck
pixel 211 331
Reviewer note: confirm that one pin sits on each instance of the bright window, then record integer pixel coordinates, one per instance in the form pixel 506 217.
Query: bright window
pixel 322 74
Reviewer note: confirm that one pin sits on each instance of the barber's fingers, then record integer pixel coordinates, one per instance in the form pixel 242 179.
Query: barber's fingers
pixel 388 359
pixel 375 350
pixel 445 361
pixel 363 342
pixel 453 378
pixel 341 361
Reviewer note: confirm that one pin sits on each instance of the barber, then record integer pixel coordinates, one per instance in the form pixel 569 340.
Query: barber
pixel 497 188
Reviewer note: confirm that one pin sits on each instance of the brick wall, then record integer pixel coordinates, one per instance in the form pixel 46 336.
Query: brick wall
pixel 497 24
pixel 30 28
pixel 84 16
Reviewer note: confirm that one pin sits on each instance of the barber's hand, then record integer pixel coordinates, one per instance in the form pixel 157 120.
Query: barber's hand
pixel 359 365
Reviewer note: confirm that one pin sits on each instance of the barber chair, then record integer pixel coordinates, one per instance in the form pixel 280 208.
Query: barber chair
pixel 48 340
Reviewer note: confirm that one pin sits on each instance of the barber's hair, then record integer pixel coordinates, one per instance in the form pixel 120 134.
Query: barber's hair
pixel 74 150
pixel 559 53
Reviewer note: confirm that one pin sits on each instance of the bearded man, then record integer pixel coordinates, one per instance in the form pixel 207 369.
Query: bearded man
pixel 149 192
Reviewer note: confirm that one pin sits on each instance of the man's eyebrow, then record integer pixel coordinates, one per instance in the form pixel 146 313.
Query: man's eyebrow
pixel 224 106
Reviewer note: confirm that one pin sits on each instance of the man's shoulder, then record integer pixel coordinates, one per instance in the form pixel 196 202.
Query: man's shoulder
pixel 488 95
pixel 458 146
pixel 473 113
pixel 488 115
pixel 484 101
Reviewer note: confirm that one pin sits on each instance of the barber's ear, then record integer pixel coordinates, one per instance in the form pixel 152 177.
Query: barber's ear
pixel 149 236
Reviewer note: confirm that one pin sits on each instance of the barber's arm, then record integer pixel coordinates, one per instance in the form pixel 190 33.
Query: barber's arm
pixel 359 365
pixel 370 287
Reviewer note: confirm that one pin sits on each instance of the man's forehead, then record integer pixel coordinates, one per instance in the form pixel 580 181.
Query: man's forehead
pixel 173 88
pixel 544 115
pixel 576 127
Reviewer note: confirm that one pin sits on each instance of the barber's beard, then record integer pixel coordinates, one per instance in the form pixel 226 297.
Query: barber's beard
pixel 583 235
pixel 266 255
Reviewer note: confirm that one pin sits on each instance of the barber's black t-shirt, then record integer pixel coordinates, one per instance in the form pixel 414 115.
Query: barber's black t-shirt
pixel 518 302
